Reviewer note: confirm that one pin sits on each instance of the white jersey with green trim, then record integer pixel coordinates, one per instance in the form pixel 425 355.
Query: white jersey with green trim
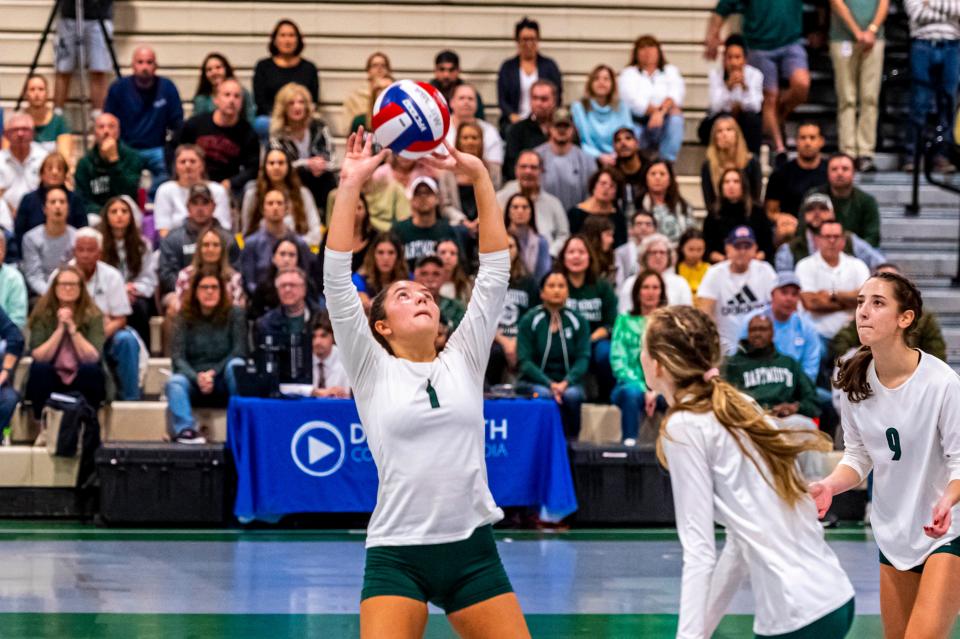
pixel 910 437
pixel 795 577
pixel 423 420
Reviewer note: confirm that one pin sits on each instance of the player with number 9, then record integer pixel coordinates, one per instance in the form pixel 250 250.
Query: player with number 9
pixel 900 411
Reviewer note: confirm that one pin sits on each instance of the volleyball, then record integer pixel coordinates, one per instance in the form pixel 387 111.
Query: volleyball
pixel 410 118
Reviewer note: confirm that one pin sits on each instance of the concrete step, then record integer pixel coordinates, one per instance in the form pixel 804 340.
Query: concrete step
pixel 919 229
pixel 348 52
pixel 927 212
pixel 147 421
pixel 942 301
pixel 34 467
pixel 893 196
pixel 560 22
pixel 951 336
pixel 923 264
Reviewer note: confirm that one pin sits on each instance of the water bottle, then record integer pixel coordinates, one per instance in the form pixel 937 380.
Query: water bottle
pixel 143 188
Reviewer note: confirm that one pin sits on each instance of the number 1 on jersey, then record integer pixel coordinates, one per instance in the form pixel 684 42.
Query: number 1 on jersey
pixel 893 441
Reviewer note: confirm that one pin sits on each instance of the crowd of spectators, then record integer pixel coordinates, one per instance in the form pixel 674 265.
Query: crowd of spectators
pixel 228 248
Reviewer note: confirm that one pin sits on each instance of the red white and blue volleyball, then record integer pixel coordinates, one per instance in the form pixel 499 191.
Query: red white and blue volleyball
pixel 410 118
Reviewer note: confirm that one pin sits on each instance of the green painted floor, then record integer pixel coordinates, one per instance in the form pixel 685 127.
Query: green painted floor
pixel 77 581
pixel 192 626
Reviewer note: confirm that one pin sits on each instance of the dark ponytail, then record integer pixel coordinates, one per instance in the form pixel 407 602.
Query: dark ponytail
pixel 852 376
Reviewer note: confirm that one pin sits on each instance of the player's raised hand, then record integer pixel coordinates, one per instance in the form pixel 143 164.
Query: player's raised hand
pixel 470 165
pixel 360 162
pixel 822 496
pixel 941 520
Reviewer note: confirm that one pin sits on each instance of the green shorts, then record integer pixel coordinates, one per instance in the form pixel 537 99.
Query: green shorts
pixel 950 548
pixel 834 625
pixel 451 576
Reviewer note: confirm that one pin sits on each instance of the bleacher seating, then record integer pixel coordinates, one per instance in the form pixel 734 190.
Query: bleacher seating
pixel 339 37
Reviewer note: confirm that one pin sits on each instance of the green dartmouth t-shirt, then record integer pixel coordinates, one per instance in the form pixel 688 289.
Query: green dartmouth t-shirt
pixel 522 295
pixel 767 24
pixel 862 11
pixel 421 241
pixel 596 303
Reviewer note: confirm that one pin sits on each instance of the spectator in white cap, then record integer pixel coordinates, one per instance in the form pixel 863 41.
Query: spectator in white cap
pixel 424 229
pixel 817 208
pixel 734 288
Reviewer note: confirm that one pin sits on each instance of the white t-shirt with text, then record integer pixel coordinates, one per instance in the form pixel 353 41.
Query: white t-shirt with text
pixel 737 295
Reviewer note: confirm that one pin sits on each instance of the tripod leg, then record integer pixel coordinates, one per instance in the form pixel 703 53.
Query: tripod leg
pixel 36 56
pixel 109 41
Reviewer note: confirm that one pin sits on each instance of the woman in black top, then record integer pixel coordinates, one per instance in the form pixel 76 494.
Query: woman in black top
pixel 282 67
pixel 735 207
pixel 604 187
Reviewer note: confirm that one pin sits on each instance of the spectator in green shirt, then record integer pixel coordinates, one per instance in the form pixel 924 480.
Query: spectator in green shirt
pixel 425 229
pixel 595 300
pixel 856 210
pixel 50 129
pixel 775 380
pixel 553 350
pixel 630 393
pixel 773 32
pixel 214 69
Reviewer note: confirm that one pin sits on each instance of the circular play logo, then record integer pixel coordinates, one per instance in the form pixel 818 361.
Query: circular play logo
pixel 318 449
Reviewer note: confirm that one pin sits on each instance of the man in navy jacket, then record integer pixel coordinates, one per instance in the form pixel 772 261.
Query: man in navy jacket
pixel 149 109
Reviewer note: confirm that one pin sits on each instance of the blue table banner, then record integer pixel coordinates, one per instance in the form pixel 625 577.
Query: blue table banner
pixel 311 455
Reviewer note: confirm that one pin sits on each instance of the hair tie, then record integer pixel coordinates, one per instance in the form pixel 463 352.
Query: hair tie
pixel 710 374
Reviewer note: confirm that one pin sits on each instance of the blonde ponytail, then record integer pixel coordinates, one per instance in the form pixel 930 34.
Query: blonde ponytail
pixel 685 342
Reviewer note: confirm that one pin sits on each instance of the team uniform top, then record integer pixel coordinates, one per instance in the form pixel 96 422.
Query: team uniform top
pixel 795 577
pixel 910 436
pixel 430 460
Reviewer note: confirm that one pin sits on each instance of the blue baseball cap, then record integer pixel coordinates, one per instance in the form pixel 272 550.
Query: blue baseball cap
pixel 742 235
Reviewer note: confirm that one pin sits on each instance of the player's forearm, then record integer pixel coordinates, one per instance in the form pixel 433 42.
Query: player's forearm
pixel 842 479
pixel 952 493
pixel 340 233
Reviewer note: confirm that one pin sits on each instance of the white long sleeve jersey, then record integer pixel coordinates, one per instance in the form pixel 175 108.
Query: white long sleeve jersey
pixel 794 575
pixel 430 460
pixel 910 437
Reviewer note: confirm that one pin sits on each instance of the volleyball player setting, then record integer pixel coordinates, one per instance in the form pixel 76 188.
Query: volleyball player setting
pixel 410 118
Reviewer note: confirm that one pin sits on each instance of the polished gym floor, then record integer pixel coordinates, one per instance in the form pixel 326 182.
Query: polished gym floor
pixel 77 581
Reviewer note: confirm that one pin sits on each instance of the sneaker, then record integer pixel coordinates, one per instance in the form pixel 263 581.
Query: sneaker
pixel 629 441
pixel 866 165
pixel 943 165
pixel 907 166
pixel 190 436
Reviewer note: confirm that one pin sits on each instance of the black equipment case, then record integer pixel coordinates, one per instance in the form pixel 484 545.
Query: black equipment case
pixel 620 485
pixel 159 482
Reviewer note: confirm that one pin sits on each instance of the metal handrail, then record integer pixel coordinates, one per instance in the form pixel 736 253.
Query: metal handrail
pixel 924 152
